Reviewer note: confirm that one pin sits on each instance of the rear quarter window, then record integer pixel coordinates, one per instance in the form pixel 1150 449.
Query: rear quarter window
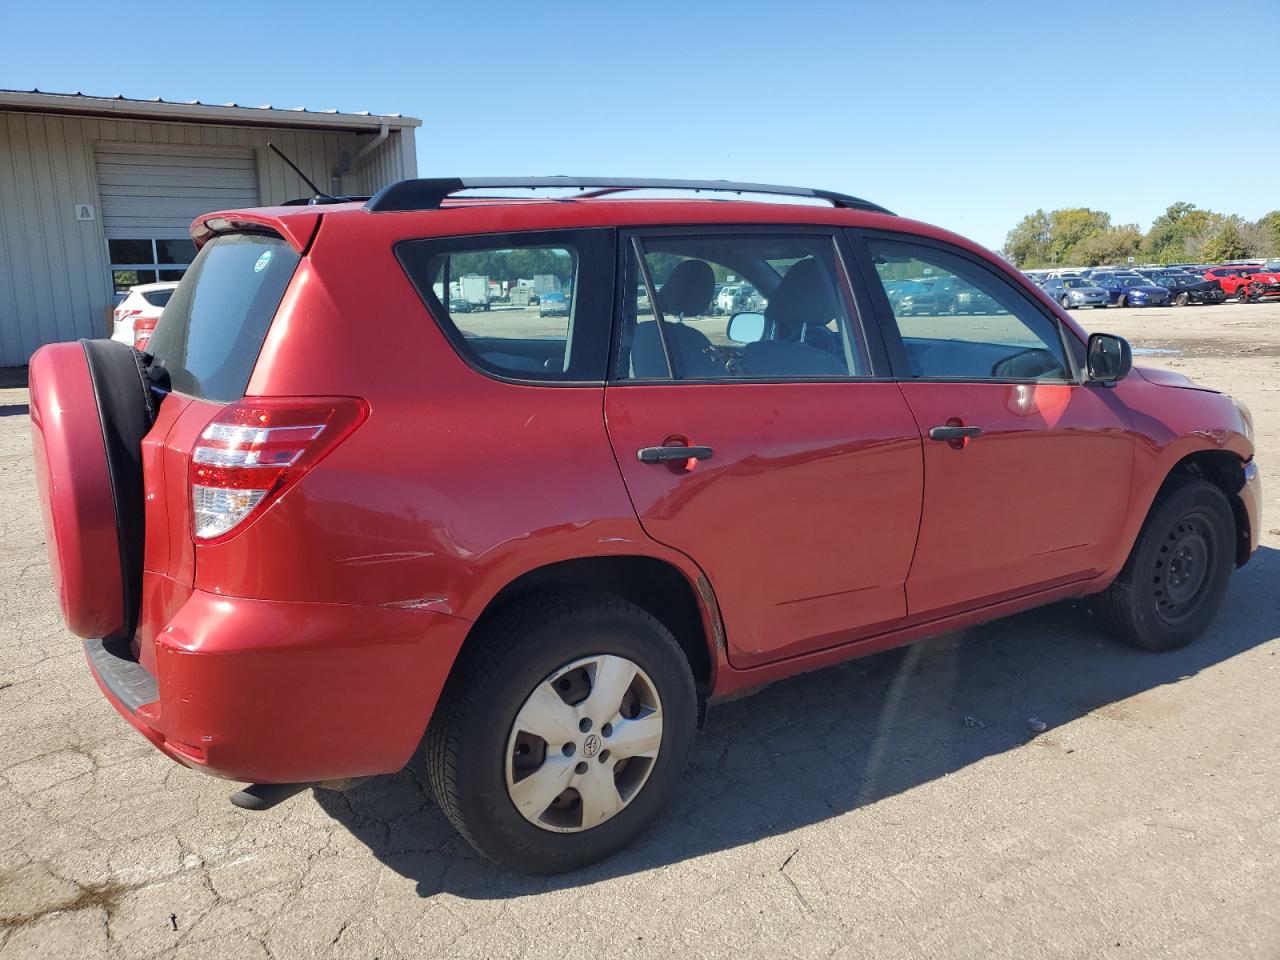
pixel 531 306
pixel 217 318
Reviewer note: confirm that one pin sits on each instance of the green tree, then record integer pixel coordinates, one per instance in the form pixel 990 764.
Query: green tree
pixel 1174 232
pixel 1027 244
pixel 1112 245
pixel 1070 229
pixel 1270 222
pixel 1225 244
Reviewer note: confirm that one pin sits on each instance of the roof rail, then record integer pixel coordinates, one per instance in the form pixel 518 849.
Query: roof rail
pixel 428 194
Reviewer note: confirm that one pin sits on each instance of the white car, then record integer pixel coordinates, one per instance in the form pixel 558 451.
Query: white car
pixel 144 303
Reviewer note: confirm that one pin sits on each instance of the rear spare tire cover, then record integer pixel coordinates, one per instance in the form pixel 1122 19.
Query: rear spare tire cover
pixel 91 405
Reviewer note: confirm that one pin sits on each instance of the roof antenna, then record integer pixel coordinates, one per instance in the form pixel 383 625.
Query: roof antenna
pixel 320 194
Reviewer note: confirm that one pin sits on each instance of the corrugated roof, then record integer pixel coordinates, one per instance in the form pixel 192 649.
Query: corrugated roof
pixel 158 108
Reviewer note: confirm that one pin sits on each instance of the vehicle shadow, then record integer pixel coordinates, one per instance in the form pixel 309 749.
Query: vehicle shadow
pixel 826 743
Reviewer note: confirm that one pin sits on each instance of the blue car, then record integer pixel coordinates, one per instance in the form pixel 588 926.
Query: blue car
pixel 1131 289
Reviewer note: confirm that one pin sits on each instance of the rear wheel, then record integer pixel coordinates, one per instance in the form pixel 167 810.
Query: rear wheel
pixel 562 732
pixel 1176 576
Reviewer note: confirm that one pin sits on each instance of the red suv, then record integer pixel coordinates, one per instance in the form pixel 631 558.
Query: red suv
pixel 329 526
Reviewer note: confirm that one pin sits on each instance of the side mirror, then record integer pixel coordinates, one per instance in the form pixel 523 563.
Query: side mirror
pixel 1110 358
pixel 746 327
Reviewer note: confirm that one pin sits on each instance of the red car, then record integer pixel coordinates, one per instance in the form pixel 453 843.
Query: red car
pixel 1246 284
pixel 325 521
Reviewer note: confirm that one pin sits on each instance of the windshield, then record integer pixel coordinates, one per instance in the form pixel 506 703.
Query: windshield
pixel 1134 281
pixel 1073 283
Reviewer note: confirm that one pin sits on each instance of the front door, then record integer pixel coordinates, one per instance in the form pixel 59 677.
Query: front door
pixel 799 494
pixel 1027 469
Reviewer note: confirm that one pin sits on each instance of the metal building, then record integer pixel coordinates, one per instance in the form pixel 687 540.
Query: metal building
pixel 97 193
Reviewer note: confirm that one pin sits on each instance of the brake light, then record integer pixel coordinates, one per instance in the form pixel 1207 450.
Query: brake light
pixel 143 328
pixel 122 314
pixel 256 449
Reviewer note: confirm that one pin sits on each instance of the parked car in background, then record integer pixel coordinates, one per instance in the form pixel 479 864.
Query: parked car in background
pixel 1131 290
pixel 553 304
pixel 525 561
pixel 134 320
pixel 1232 279
pixel 1073 292
pixel 1185 289
pixel 913 297
pixel 1262 283
pixel 459 305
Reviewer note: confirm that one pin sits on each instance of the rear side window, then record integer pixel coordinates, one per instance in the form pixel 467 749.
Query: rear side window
pixel 215 323
pixel 157 298
pixel 534 306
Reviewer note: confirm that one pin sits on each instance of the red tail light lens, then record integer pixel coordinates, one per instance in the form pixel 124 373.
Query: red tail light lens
pixel 143 328
pixel 256 449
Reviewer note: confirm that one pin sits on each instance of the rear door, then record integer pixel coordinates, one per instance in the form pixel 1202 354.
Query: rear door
pixel 1027 469
pixel 801 497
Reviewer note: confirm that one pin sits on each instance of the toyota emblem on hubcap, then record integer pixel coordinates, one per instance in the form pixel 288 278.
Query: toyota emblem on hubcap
pixel 590 746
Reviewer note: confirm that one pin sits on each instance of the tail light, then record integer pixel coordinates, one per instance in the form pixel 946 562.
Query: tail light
pixel 143 328
pixel 256 449
pixel 121 314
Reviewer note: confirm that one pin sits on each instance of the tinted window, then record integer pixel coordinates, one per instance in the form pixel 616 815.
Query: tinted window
pixel 157 298
pixel 215 322
pixel 530 307
pixel 781 312
pixel 969 324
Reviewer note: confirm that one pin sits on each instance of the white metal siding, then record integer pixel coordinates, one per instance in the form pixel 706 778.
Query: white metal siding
pixel 149 190
pixel 54 278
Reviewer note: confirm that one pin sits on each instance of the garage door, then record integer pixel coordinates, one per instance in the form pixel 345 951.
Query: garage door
pixel 150 194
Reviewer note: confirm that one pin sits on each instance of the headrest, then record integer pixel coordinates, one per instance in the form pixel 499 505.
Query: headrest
pixel 805 296
pixel 688 289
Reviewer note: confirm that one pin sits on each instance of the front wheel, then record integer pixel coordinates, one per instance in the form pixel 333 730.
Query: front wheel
pixel 1123 301
pixel 563 731
pixel 1182 299
pixel 1066 303
pixel 1176 576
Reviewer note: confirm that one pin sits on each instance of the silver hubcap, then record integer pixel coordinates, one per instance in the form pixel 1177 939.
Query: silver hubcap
pixel 583 744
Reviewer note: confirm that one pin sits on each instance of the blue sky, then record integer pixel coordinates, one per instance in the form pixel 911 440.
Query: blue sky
pixel 966 115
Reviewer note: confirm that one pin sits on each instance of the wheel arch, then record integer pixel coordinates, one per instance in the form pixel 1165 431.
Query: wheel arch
pixel 684 604
pixel 1225 470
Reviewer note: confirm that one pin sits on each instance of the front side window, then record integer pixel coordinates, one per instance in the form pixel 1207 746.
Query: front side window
pixel 958 320
pixel 737 307
pixel 529 307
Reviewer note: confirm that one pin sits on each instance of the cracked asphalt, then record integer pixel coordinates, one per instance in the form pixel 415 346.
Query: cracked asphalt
pixel 899 806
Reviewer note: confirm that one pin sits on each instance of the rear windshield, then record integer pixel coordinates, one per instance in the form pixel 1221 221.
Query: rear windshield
pixel 214 325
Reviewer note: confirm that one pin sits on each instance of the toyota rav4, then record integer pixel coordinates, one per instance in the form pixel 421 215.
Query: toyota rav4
pixel 329 525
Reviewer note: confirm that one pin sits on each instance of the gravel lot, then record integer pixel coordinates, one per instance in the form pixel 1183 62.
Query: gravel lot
pixel 892 807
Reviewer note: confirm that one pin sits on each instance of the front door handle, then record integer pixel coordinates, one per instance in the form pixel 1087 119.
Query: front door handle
pixel 672 454
pixel 952 433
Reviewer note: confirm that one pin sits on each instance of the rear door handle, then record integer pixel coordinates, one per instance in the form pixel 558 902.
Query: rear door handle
pixel 673 453
pixel 951 434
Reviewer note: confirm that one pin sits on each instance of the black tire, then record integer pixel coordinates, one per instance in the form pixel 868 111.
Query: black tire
pixel 126 409
pixel 1182 299
pixel 1189 533
pixel 1123 301
pixel 466 744
pixel 1066 302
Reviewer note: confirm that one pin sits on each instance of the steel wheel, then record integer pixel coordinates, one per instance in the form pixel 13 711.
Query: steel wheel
pixel 583 744
pixel 1182 568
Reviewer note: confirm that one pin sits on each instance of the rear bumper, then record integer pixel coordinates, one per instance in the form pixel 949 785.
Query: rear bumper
pixel 272 692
